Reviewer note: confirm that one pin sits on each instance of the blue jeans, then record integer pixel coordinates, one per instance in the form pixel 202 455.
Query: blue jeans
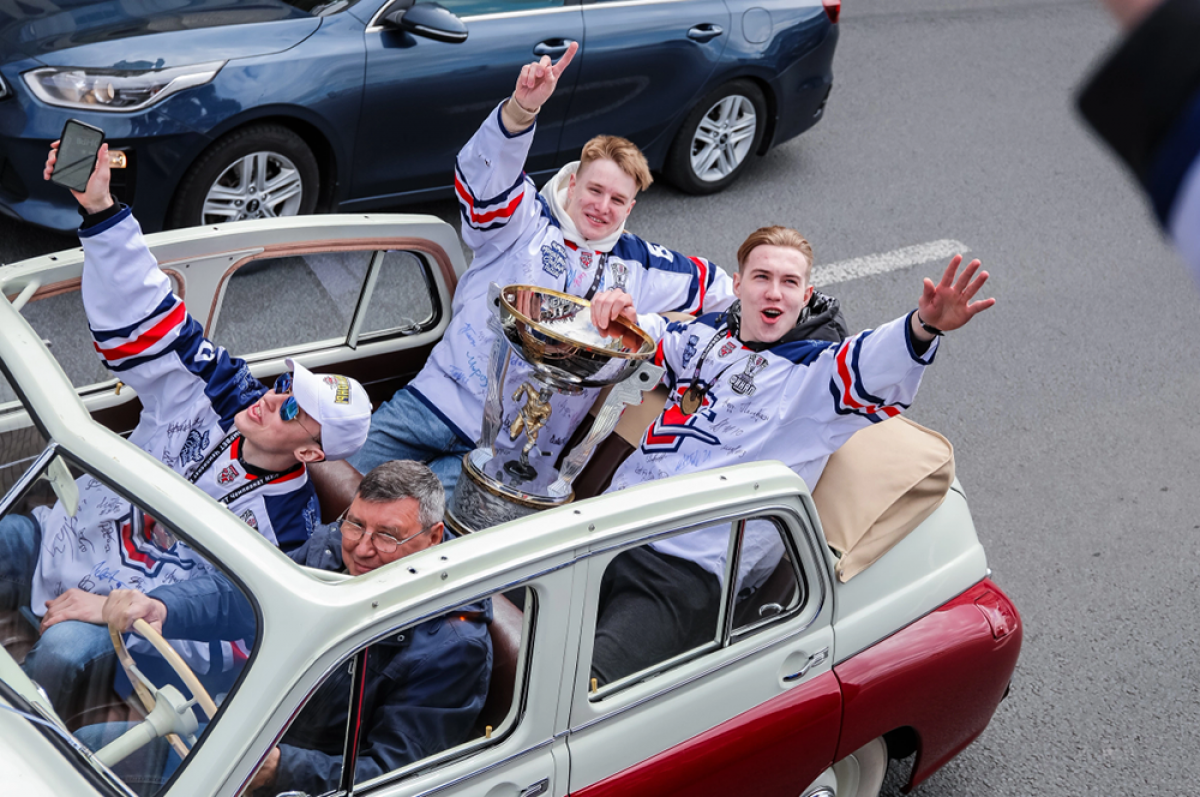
pixel 406 428
pixel 20 541
pixel 71 658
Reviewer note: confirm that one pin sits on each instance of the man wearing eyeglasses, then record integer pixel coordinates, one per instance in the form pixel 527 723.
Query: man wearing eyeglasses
pixel 204 415
pixel 424 688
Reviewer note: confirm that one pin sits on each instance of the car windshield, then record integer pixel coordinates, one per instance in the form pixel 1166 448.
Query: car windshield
pixel 133 704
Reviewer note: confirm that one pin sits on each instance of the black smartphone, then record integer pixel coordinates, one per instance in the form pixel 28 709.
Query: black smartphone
pixel 77 151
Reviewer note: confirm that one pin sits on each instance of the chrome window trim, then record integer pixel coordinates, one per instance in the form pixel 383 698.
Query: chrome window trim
pixel 374 27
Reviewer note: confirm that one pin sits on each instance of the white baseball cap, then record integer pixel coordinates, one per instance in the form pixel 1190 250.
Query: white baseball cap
pixel 340 404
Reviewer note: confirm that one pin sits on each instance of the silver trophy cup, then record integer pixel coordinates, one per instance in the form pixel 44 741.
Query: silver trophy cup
pixel 547 352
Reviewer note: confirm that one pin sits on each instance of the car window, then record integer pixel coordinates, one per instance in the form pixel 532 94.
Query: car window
pixel 702 606
pixel 429 694
pixel 285 302
pixel 403 297
pixel 18 447
pixel 85 541
pixel 58 317
pixel 472 8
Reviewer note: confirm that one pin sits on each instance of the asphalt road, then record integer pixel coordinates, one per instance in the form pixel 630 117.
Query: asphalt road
pixel 1067 403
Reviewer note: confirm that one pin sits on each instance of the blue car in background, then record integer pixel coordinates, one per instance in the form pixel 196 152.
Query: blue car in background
pixel 235 109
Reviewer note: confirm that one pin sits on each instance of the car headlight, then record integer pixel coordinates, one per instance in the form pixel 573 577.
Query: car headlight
pixel 115 89
pixel 4 92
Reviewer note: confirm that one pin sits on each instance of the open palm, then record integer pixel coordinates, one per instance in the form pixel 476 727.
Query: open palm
pixel 947 305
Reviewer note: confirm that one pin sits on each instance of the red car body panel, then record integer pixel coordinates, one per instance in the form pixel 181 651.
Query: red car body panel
pixel 773 750
pixel 943 676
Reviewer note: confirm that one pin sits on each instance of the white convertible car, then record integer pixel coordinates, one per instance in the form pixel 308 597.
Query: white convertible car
pixel 879 636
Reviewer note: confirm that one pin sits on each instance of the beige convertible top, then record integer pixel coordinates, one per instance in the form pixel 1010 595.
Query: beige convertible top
pixel 878 487
pixel 875 489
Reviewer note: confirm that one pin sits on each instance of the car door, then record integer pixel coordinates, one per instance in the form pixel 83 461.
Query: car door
pixel 424 99
pixel 644 64
pixel 756 710
pixel 517 748
pixel 367 296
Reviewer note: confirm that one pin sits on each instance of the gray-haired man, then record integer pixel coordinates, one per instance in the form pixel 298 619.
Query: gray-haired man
pixel 425 687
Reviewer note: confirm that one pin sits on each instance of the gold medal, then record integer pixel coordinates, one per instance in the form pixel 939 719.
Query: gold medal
pixel 692 398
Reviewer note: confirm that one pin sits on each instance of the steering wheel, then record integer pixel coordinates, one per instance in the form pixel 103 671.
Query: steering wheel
pixel 147 690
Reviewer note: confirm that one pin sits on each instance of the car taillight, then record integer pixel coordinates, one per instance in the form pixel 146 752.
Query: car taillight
pixel 1000 614
pixel 833 8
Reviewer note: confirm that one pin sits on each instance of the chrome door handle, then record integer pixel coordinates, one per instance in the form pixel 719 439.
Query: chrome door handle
pixel 541 787
pixel 813 661
pixel 705 32
pixel 551 47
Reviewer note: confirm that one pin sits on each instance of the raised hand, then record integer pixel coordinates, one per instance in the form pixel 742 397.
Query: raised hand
pixel 97 197
pixel 948 304
pixel 539 79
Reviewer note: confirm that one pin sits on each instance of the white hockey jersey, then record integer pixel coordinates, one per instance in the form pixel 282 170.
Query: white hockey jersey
pixel 517 240
pixel 190 391
pixel 796 402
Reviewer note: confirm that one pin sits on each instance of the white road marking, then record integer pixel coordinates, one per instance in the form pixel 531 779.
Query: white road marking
pixel 854 268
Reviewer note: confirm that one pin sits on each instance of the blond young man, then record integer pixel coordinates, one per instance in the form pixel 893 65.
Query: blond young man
pixel 570 237
pixel 744 385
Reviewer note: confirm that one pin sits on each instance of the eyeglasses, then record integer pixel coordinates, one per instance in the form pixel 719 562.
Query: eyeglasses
pixel 289 410
pixel 383 542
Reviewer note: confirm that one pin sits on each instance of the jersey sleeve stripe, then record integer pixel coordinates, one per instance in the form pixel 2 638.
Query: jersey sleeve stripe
pixel 164 306
pixel 150 337
pixel 701 284
pixel 847 383
pixel 481 211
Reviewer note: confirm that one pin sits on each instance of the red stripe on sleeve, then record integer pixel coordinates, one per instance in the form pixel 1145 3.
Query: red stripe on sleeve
pixel 702 268
pixel 148 338
pixel 482 218
pixel 844 373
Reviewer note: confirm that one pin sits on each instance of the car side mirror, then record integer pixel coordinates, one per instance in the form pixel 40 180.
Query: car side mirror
pixel 431 20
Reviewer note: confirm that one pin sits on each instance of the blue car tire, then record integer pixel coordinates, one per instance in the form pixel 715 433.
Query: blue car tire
pixel 260 171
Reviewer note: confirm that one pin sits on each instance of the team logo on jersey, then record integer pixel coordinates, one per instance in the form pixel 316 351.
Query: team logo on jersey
pixel 620 273
pixel 727 348
pixel 585 259
pixel 673 426
pixel 689 351
pixel 193 447
pixel 340 384
pixel 554 259
pixel 250 519
pixel 743 383
pixel 149 550
pixel 227 475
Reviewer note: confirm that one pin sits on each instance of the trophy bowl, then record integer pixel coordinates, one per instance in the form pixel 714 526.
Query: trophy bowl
pixel 553 332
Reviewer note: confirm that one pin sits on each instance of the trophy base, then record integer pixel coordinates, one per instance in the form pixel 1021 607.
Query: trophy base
pixel 480 502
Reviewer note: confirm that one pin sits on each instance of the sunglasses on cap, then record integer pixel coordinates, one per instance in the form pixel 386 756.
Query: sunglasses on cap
pixel 289 410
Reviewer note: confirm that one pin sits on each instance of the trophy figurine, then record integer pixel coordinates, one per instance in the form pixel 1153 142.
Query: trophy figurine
pixel 553 334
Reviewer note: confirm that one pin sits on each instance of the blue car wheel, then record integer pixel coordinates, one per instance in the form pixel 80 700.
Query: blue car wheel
pixel 258 172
